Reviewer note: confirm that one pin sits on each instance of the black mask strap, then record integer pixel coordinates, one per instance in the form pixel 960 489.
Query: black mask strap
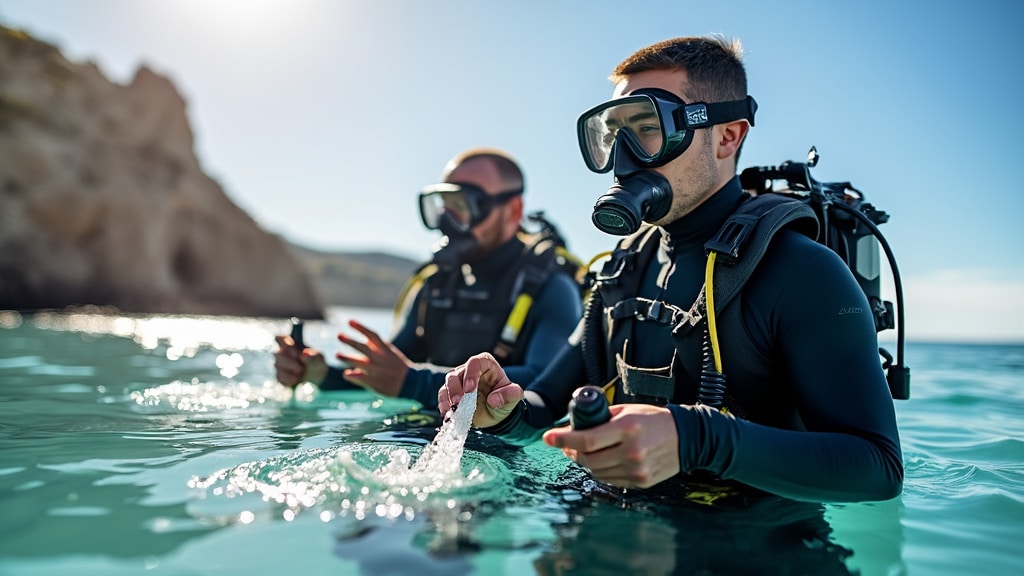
pixel 701 115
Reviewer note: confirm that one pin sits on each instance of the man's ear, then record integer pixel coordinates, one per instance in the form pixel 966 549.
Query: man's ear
pixel 730 137
pixel 516 206
pixel 515 213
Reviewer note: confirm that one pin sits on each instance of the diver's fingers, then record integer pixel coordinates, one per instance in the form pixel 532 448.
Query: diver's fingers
pixel 449 395
pixel 365 330
pixel 288 371
pixel 589 440
pixel 503 400
pixel 352 360
pixel 356 344
pixel 357 376
pixel 637 448
pixel 465 378
pixel 286 346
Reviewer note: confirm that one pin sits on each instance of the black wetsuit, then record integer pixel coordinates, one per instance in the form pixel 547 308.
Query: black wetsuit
pixel 552 317
pixel 819 422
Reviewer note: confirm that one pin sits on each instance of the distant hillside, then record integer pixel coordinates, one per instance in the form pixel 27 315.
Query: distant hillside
pixel 370 279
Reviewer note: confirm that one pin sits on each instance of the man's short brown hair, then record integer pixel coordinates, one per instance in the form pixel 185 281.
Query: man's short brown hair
pixel 713 65
pixel 507 167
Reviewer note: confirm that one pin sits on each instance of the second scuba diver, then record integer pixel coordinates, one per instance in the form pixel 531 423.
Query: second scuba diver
pixel 489 287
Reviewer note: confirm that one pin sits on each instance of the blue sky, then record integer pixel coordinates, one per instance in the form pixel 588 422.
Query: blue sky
pixel 323 118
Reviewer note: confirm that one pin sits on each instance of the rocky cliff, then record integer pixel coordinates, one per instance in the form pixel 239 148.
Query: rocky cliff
pixel 103 201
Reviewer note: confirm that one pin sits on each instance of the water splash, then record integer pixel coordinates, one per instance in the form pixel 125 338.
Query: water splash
pixel 377 479
pixel 439 465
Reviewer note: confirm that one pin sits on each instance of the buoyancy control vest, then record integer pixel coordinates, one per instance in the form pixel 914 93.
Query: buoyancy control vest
pixel 457 318
pixel 613 305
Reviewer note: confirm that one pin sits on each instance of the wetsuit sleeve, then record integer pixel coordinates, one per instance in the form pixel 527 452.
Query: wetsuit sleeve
pixel 546 400
pixel 419 383
pixel 552 317
pixel 808 311
pixel 550 365
pixel 335 381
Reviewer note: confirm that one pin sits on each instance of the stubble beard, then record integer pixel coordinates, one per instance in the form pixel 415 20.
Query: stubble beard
pixel 489 242
pixel 691 189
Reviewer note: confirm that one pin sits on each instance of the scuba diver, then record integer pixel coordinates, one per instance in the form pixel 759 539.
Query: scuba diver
pixel 490 286
pixel 763 380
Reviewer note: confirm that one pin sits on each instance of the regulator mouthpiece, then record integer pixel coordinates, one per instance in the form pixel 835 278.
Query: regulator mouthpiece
pixel 457 247
pixel 644 196
pixel 588 408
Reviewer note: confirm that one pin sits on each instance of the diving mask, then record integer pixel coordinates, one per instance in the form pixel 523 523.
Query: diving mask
pixel 465 204
pixel 656 126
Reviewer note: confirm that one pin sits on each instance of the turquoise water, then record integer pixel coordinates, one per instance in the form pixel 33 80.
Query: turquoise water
pixel 160 445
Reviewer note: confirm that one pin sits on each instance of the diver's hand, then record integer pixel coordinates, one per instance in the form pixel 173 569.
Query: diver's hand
pixel 382 367
pixel 496 398
pixel 637 448
pixel 294 366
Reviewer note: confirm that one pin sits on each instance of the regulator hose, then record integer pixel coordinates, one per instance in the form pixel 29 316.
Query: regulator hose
pixel 591 344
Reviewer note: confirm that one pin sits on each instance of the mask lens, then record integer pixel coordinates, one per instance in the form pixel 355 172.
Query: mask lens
pixel 638 120
pixel 434 205
pixel 455 203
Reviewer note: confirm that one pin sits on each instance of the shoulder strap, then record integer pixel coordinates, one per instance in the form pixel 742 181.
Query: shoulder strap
pixel 739 246
pixel 743 240
pixel 539 258
pixel 412 287
pixel 419 286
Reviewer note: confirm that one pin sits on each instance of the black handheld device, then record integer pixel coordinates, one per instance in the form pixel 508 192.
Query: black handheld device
pixel 588 408
pixel 297 334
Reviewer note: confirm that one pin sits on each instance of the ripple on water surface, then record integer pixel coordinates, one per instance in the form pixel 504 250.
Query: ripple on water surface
pixel 384 479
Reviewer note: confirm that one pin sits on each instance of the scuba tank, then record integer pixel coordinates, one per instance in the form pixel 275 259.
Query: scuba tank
pixel 849 227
